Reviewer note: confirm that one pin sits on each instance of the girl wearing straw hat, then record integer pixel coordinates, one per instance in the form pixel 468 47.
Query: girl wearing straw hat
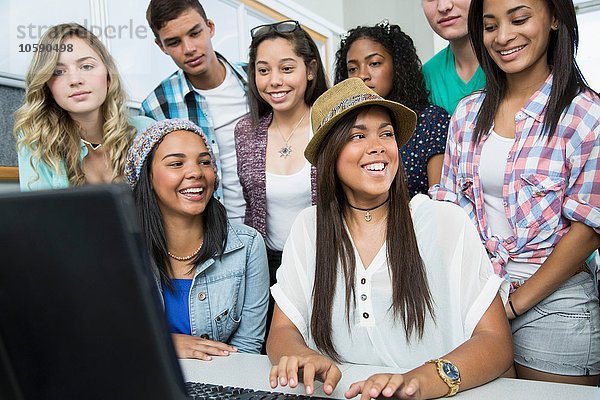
pixel 369 278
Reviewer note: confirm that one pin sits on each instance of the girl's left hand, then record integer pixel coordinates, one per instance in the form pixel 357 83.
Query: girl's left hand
pixel 386 385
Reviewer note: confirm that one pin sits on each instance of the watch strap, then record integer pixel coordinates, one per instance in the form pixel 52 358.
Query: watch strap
pixel 453 384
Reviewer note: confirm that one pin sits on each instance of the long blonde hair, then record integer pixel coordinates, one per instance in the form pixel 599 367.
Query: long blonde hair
pixel 49 131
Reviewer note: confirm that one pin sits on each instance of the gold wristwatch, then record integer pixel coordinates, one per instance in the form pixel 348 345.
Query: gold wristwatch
pixel 449 374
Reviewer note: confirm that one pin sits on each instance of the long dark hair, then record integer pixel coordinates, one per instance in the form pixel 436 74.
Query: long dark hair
pixel 411 298
pixel 215 226
pixel 408 86
pixel 562 47
pixel 305 48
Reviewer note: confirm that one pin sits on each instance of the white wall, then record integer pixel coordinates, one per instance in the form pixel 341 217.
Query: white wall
pixel 408 14
pixel 588 57
pixel 327 9
pixel 6 187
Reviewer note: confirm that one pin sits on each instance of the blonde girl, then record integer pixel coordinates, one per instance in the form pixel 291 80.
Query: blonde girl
pixel 73 128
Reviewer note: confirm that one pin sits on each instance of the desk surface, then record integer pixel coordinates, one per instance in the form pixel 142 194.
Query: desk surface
pixel 252 371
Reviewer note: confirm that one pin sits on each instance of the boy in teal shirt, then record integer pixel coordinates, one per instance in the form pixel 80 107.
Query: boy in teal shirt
pixel 454 72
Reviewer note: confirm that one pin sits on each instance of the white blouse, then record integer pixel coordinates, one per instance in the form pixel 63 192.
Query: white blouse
pixel 460 276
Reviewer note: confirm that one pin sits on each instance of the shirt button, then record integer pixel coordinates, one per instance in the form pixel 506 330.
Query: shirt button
pixel 508 156
pixel 365 315
pixel 363 281
pixel 363 297
pixel 225 312
pixel 204 336
pixel 218 318
pixel 504 203
pixel 201 296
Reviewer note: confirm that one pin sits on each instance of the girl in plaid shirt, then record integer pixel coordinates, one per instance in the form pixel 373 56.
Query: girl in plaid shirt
pixel 523 160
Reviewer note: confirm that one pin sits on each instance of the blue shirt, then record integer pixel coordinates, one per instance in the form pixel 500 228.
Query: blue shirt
pixel 44 176
pixel 175 97
pixel 176 306
pixel 229 295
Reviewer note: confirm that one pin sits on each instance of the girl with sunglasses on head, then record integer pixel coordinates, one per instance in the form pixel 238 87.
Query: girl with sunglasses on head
pixel 212 272
pixel 73 128
pixel 385 58
pixel 285 76
pixel 523 161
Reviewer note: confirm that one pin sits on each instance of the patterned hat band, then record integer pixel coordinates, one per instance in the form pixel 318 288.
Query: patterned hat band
pixel 341 99
pixel 347 103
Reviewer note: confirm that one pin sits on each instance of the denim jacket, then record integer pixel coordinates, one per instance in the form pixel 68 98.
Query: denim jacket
pixel 229 295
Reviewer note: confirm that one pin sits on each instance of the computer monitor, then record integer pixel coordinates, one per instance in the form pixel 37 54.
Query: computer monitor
pixel 79 311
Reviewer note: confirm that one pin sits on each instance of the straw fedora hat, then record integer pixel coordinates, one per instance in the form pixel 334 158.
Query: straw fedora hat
pixel 344 97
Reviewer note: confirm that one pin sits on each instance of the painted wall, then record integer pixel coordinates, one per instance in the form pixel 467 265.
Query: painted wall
pixel 327 9
pixel 406 13
pixel 7 187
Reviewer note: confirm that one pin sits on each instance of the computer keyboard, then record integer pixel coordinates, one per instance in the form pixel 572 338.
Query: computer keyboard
pixel 207 391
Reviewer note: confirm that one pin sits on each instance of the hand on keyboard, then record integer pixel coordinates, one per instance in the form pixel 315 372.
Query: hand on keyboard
pixel 311 366
pixel 386 385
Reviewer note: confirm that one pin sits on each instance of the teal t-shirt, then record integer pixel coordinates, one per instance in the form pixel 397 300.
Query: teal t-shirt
pixel 445 87
pixel 44 177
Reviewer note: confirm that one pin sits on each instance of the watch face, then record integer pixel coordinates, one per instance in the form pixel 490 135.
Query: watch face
pixel 450 370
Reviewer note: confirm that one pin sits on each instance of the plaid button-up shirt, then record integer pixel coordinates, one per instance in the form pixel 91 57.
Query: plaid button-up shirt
pixel 547 182
pixel 175 97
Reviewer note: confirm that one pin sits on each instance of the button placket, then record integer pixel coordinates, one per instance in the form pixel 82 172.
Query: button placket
pixel 364 304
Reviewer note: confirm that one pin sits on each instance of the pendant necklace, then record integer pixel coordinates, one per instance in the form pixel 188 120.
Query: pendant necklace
pixel 94 146
pixel 368 216
pixel 186 258
pixel 286 150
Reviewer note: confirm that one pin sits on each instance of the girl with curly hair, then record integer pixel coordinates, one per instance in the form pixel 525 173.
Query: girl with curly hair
pixel 73 128
pixel 385 58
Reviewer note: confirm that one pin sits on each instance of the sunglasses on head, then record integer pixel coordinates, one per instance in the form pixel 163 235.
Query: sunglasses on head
pixel 286 26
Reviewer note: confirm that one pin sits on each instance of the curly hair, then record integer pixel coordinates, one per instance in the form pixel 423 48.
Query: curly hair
pixel 50 132
pixel 408 87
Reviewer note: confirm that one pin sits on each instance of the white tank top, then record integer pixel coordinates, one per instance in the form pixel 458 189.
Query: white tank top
pixel 492 165
pixel 287 195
